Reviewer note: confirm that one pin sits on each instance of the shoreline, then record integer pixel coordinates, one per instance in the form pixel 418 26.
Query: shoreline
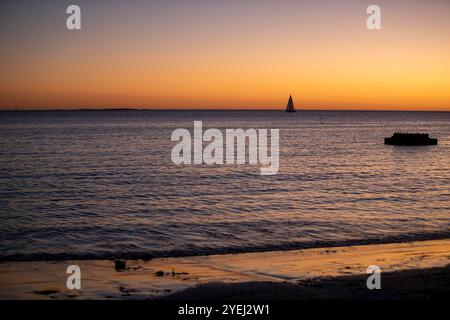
pixel 280 272
pixel 293 246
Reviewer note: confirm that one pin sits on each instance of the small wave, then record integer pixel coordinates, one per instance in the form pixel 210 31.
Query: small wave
pixel 148 255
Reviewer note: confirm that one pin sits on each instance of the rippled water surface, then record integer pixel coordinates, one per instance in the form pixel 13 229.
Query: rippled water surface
pixel 101 184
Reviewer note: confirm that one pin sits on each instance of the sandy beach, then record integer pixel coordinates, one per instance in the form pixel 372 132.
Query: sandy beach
pixel 337 272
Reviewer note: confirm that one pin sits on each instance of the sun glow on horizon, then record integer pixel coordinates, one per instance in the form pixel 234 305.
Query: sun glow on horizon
pixel 226 55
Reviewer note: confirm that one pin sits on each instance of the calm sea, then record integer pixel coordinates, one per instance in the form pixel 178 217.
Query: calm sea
pixel 101 184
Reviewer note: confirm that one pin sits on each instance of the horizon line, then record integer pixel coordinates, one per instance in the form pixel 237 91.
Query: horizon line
pixel 212 109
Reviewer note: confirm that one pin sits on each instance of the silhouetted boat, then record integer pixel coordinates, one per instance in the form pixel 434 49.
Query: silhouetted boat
pixel 410 139
pixel 290 105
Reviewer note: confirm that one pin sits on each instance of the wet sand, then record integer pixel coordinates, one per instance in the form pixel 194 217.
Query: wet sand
pixel 432 283
pixel 409 270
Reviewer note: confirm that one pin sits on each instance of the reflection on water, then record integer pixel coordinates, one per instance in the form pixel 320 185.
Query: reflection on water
pixel 102 184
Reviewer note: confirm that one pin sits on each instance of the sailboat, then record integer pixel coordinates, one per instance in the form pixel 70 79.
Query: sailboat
pixel 290 105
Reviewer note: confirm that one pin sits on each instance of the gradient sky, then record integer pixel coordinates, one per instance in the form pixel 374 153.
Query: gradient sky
pixel 225 54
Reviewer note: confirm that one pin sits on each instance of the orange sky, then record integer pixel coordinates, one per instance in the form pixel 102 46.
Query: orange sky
pixel 226 54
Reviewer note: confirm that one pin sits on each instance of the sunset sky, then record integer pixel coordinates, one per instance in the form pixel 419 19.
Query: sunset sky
pixel 248 54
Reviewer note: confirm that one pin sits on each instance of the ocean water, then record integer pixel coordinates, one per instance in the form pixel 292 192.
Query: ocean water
pixel 101 184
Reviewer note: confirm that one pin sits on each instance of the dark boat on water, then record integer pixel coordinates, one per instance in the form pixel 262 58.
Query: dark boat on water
pixel 410 139
pixel 290 105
